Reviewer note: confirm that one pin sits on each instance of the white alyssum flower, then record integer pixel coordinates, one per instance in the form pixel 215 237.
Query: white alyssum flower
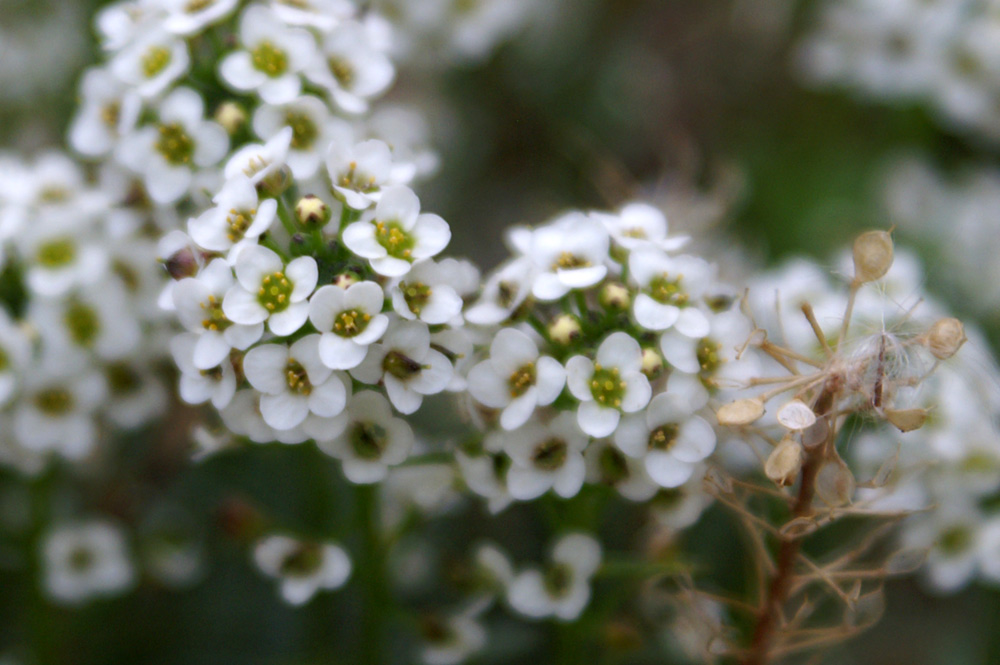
pixel 359 171
pixel 719 358
pixel 671 287
pixel 239 217
pixel 85 560
pixel 61 253
pixel 504 291
pixel 639 225
pixel 516 378
pixel 407 365
pixel 216 383
pixel 324 15
pixel 183 140
pixel 15 355
pixel 397 234
pixel 546 457
pixel 608 465
pixel 351 68
pixel 272 57
pixel 303 567
pixel 187 17
pixel 372 441
pixel 295 382
pixel 451 640
pixel 668 437
pixel 108 110
pixel 259 161
pixel 563 589
pixel 94 320
pixel 570 253
pixel 198 303
pixel 426 293
pixel 349 321
pixel 152 62
pixel 610 386
pixel 313 129
pixel 268 290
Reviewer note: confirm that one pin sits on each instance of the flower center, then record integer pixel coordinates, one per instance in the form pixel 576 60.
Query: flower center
pixel 239 221
pixel 269 59
pixel 353 179
pixel 54 194
pixel 369 440
pixel 709 358
pixel 195 6
pixel 215 373
pixel 400 366
pixel 352 323
pixel 56 253
pixel 122 379
pixel 297 378
pixel 607 386
pixel 416 295
pixel 110 114
pixel 342 70
pixel 569 261
pixel 174 144
pixel 955 540
pixel 521 379
pixel 80 559
pixel 613 466
pixel 127 274
pixel 397 242
pixel 506 292
pixel 557 579
pixel 54 401
pixel 663 437
pixel 304 130
pixel 4 360
pixel 436 631
pixel 82 322
pixel 668 291
pixel 155 61
pixel 550 454
pixel 275 292
pixel 304 560
pixel 636 232
pixel 215 319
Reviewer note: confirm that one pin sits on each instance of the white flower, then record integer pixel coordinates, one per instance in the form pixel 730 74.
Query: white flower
pixel 614 384
pixel 152 62
pixel 15 354
pixel 268 290
pixel 398 234
pixel 272 59
pixel 197 385
pixel 671 287
pixel 504 291
pixel 183 140
pixel 486 474
pixel 358 171
pixel 259 161
pixel 303 567
pixel 516 378
pixel 426 293
pixel 638 225
pixel 238 216
pixel 405 362
pixel 97 319
pixel 570 253
pixel 135 394
pixel 563 589
pixel 452 640
pixel 669 439
pixel 607 465
pixel 349 320
pixel 198 303
pixel 108 110
pixel 61 254
pixel 323 15
pixel 351 69
pixel 186 17
pixel 86 560
pixel 372 441
pixel 546 457
pixel 295 382
pixel 715 357
pixel 313 128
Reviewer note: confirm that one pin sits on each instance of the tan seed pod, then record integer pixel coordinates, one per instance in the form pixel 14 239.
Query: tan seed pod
pixel 796 415
pixel 784 462
pixel 741 412
pixel 906 420
pixel 872 256
pixel 945 338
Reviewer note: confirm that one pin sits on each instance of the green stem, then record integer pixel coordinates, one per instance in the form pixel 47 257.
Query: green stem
pixel 372 573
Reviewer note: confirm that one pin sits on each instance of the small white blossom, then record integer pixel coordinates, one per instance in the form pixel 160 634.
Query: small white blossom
pixel 372 441
pixel 671 287
pixel 612 385
pixel 546 457
pixel 260 161
pixel 216 383
pixel 563 589
pixel 313 128
pixel 349 320
pixel 152 63
pixel 239 216
pixel 351 68
pixel 187 17
pixel 359 171
pixel 426 293
pixel 304 568
pixel 570 253
pixel 268 290
pixel 86 560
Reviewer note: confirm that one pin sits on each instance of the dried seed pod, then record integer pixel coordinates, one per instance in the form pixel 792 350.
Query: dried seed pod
pixel 945 338
pixel 835 483
pixel 872 256
pixel 741 412
pixel 796 415
pixel 906 420
pixel 784 462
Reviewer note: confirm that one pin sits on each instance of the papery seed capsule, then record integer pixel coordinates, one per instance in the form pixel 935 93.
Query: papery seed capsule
pixel 873 253
pixel 784 462
pixel 741 412
pixel 945 338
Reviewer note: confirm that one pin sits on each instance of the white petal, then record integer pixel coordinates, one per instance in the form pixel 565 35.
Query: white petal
pixel 620 350
pixel 284 410
pixel 488 387
pixel 692 323
pixel 551 378
pixel 328 399
pixel 596 420
pixel 637 392
pixel 519 410
pixel 286 322
pixel 303 273
pixel 666 470
pixel 632 435
pixel 653 315
pixel 264 367
pixel 695 441
pixel 579 372
pixel 243 307
pixel 337 352
pixel 525 483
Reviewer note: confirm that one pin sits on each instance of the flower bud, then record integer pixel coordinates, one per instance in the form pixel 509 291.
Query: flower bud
pixel 345 279
pixel 652 363
pixel 784 462
pixel 741 412
pixel 312 211
pixel 181 264
pixel 231 116
pixel 872 256
pixel 945 338
pixel 615 296
pixel 565 330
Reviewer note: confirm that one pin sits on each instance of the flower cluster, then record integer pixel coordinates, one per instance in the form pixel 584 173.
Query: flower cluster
pixel 944 53
pixel 79 330
pixel 607 343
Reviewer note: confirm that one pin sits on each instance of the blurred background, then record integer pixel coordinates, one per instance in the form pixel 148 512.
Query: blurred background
pixel 746 120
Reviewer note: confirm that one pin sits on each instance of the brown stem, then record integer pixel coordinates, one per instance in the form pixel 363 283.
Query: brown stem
pixel 769 616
